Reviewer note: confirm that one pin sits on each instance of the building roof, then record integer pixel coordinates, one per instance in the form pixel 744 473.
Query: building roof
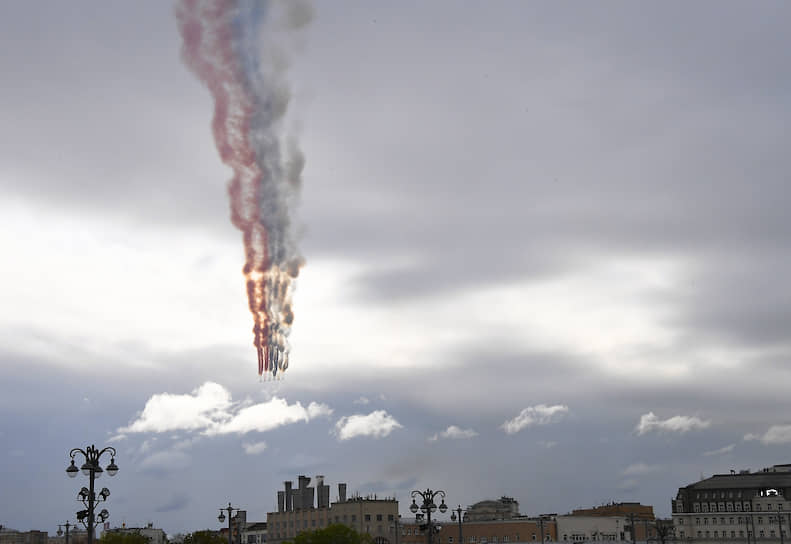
pixel 745 481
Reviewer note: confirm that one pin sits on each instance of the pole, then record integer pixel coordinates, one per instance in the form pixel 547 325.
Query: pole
pixel 230 536
pixel 461 534
pixel 631 526
pixel 91 500
pixel 428 517
pixel 541 525
pixel 67 532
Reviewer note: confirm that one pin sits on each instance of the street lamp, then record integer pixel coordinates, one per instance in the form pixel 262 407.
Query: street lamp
pixel 60 530
pixel 453 513
pixel 230 509
pixel 428 506
pixel 87 495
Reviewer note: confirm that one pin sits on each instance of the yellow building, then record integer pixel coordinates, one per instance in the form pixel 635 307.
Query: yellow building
pixel 297 513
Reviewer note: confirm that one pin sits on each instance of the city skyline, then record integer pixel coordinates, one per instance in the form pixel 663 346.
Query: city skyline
pixel 544 255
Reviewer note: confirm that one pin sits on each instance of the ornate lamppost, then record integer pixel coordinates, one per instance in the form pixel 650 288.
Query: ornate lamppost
pixel 230 509
pixel 453 513
pixel 87 495
pixel 428 506
pixel 60 530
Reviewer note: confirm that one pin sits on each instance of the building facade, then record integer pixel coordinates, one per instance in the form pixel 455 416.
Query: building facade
pixel 297 512
pixel 153 534
pixel 512 531
pixel 502 508
pixel 744 506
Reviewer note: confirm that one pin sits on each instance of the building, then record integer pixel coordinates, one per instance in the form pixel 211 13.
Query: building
pixel 639 523
pixel 10 536
pixel 154 535
pixel 297 512
pixel 502 508
pixel 511 531
pixel 744 506
pixel 254 533
pixel 625 509
pixel 599 528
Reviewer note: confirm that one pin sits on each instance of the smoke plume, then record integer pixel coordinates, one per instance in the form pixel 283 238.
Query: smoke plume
pixel 238 49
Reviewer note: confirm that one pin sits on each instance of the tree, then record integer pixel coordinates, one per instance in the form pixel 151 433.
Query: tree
pixel 204 537
pixel 664 530
pixel 336 533
pixel 112 537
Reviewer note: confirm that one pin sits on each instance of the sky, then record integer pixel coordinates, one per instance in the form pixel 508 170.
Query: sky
pixel 546 256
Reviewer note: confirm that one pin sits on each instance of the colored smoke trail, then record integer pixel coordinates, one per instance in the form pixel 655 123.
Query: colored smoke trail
pixel 225 44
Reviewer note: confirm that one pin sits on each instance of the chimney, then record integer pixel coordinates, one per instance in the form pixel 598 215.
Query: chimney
pixel 322 493
pixel 305 493
pixel 341 492
pixel 281 501
pixel 289 493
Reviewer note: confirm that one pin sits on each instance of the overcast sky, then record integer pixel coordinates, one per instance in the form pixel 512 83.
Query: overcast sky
pixel 547 256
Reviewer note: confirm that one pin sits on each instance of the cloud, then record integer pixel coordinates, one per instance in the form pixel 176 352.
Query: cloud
pixel 254 448
pixel 548 444
pixel 269 415
pixel 377 424
pixel 362 400
pixel 540 414
pixel 777 434
pixel 640 469
pixel 178 501
pixel 168 412
pixel 720 451
pixel 453 432
pixel 209 409
pixel 679 424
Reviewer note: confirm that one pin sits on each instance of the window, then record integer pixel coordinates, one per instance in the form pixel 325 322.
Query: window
pixel 681 534
pixel 378 517
pixel 450 540
pixel 696 507
pixel 534 536
pixel 716 535
pixel 705 506
pixel 699 534
pixel 758 507
pixel 730 507
pixel 738 506
pixel 769 506
pixel 705 521
pixel 354 517
pixel 697 521
pixel 313 523
pixel 733 534
pixel 367 517
pixel 714 521
pixel 681 521
pixel 761 533
pixel 760 519
pixel 741 534
pixel 389 517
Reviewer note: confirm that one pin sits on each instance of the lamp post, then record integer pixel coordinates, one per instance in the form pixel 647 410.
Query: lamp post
pixel 458 510
pixel 428 506
pixel 230 509
pixel 87 495
pixel 60 530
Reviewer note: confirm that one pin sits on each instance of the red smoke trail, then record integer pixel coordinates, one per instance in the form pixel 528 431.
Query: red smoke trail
pixel 206 30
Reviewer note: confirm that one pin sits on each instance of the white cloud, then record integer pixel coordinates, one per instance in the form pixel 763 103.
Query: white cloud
pixel 777 434
pixel 720 451
pixel 209 409
pixel 254 448
pixel 362 400
pixel 640 469
pixel 168 412
pixel 377 424
pixel 454 433
pixel 540 414
pixel 267 416
pixel 548 444
pixel 679 424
